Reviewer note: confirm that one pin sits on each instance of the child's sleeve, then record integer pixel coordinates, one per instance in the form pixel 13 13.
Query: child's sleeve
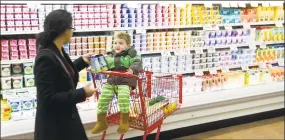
pixel 136 64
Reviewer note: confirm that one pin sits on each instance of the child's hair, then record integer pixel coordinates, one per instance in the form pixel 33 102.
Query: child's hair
pixel 124 36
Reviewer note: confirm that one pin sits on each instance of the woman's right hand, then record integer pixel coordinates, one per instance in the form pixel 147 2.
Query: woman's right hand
pixel 89 90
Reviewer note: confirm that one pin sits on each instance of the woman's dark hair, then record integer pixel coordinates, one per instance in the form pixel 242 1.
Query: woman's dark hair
pixel 55 24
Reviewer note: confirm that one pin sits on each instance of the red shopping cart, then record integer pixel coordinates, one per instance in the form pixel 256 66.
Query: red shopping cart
pixel 157 96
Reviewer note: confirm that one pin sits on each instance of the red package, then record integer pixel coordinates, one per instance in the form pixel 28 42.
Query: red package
pixel 32 41
pixel 22 42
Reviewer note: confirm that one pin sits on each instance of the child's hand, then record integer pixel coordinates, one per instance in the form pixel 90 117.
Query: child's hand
pixel 130 71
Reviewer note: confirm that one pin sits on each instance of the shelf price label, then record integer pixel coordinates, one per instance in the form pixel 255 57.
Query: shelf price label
pixel 225 4
pixel 246 26
pixel 213 70
pixel 198 50
pixel 233 47
pixel 234 3
pixel 262 65
pixel 252 46
pixel 208 4
pixel 262 46
pixel 244 67
pixel 228 27
pixel 280 62
pixel 225 69
pixel 199 72
pixel 265 3
pixel 165 53
pixel 279 24
pixel 211 50
pixel 276 3
pixel 132 5
pixel 210 27
pixel 241 4
pixel 141 31
pixel 254 4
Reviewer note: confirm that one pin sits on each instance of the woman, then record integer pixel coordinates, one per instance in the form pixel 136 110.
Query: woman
pixel 56 79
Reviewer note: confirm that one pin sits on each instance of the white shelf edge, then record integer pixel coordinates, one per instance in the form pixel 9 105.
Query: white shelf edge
pixel 188 103
pixel 136 28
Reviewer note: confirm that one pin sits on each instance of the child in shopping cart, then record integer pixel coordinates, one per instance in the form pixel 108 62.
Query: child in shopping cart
pixel 123 58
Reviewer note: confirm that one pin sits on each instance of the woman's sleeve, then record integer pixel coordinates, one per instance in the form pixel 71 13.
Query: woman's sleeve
pixel 45 78
pixel 80 64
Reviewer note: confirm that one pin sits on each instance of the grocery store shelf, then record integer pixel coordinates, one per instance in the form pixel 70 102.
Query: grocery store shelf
pixel 196 109
pixel 17 61
pixel 139 28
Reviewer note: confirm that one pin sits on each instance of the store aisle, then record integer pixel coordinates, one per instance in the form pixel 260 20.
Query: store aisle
pixel 265 129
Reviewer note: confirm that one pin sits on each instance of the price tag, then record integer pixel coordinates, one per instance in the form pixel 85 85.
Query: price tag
pixel 177 52
pixel 208 4
pixel 199 73
pixel 164 4
pixel 165 53
pixel 225 69
pixel 234 3
pixel 198 50
pixel 210 27
pixel 225 4
pixel 141 31
pixel 188 51
pixel 132 5
pixel 262 46
pixel 244 67
pixel 254 4
pixel 228 27
pixel 211 50
pixel 265 3
pixel 262 65
pixel 213 71
pixel 252 46
pixel 233 47
pixel 180 5
pixel 246 26
pixel 241 4
pixel 276 3
pixel 33 5
pixel 279 24
pixel 280 62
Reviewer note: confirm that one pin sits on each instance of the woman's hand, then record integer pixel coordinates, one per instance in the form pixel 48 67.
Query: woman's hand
pixel 86 58
pixel 89 90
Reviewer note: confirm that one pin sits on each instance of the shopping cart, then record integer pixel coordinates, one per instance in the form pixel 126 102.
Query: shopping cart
pixel 157 96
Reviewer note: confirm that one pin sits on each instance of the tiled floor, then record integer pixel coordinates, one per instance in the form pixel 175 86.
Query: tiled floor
pixel 260 130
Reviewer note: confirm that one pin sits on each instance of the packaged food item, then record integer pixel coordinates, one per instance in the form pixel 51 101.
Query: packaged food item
pixel 5 70
pixel 5 111
pixel 17 68
pixel 28 68
pixel 6 83
pixel 17 82
pixel 29 80
pixel 95 65
pixel 16 107
pixel 103 63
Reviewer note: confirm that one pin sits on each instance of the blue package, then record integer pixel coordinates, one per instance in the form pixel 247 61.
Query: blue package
pixel 124 6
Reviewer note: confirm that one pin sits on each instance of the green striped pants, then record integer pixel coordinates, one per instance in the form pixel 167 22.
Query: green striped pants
pixel 108 94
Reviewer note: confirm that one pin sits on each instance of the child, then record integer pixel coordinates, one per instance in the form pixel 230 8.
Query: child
pixel 123 58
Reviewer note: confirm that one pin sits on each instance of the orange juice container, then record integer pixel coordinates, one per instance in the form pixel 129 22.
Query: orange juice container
pixel 205 85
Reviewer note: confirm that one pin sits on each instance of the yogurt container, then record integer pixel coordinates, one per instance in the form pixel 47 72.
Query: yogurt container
pixel 5 70
pixel 17 68
pixel 28 68
pixel 6 83
pixel 17 82
pixel 29 80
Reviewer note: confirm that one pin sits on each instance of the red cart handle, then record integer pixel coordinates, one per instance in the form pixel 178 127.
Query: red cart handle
pixel 121 74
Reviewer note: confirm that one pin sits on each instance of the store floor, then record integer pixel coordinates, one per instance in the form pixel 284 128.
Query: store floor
pixel 264 129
